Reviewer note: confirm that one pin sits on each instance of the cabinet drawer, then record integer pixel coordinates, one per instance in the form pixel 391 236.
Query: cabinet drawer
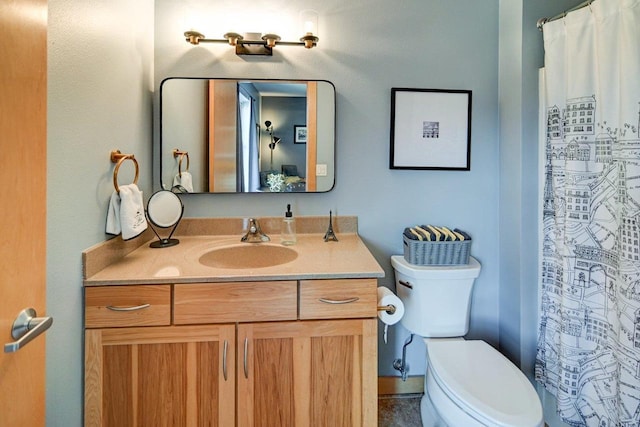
pixel 234 302
pixel 338 299
pixel 132 305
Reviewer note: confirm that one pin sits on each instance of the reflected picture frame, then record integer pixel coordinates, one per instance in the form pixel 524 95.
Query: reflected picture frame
pixel 430 129
pixel 299 134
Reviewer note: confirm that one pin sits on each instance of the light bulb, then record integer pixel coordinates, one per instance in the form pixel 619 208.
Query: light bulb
pixel 309 22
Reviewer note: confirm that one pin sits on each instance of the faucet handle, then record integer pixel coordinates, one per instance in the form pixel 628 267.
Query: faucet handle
pixel 254 233
pixel 258 231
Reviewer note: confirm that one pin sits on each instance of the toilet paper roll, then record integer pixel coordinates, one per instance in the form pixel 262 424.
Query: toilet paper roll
pixel 386 298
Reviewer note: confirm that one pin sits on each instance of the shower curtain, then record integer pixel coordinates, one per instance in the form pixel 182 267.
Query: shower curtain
pixel 589 338
pixel 247 168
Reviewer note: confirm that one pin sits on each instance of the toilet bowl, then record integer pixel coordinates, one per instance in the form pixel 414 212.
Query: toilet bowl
pixel 467 383
pixel 470 384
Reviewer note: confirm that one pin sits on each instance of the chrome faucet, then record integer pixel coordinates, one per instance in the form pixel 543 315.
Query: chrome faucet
pixel 254 234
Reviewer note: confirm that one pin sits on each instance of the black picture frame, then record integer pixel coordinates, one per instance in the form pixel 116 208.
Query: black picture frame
pixel 430 129
pixel 299 134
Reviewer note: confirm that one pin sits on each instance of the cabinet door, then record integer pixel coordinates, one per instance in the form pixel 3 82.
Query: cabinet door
pixel 308 373
pixel 160 376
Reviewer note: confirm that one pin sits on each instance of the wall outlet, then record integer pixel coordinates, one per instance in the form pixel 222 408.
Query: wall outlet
pixel 321 169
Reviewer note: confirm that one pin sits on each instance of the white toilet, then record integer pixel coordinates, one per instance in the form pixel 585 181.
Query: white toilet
pixel 468 383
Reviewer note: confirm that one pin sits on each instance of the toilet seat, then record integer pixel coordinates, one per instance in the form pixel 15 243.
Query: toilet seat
pixel 484 383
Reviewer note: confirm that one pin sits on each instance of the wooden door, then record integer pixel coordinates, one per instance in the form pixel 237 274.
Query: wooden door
pixel 160 376
pixel 308 373
pixel 312 136
pixel 23 84
pixel 222 134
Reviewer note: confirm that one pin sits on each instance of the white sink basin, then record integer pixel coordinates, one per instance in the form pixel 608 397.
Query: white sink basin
pixel 248 255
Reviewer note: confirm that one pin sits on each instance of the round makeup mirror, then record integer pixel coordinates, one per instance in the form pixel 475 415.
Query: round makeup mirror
pixel 164 210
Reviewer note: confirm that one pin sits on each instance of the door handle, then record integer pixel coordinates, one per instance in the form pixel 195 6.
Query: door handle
pixel 25 328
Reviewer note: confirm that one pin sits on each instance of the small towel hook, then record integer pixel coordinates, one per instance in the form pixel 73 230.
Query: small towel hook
pixel 118 158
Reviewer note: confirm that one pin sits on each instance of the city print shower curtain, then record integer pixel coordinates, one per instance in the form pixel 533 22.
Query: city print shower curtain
pixel 589 339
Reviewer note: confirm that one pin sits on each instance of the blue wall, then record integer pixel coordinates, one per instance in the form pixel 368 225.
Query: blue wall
pixel 100 83
pixel 285 113
pixel 521 56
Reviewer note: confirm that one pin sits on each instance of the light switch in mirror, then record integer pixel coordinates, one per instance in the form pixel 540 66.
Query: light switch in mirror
pixel 247 136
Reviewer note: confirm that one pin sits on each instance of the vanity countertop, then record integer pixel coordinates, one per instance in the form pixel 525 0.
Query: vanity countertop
pixel 347 258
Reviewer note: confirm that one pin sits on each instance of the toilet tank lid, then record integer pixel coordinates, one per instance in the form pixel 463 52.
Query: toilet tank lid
pixel 484 381
pixel 456 271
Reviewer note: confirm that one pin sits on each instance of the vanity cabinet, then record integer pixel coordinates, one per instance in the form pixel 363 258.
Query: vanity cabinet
pixel 307 373
pixel 271 353
pixel 160 376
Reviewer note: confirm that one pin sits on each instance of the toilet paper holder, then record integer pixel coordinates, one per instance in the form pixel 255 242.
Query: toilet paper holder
pixel 390 309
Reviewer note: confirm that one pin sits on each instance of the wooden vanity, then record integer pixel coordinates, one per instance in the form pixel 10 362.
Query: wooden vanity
pixel 170 343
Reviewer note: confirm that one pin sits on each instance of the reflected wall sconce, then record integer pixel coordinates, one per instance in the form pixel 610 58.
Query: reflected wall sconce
pixel 259 44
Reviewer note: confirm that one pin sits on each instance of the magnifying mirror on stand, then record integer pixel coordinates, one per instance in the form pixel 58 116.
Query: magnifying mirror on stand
pixel 164 210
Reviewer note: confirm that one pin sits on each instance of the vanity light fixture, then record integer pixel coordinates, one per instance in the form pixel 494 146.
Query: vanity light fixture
pixel 258 44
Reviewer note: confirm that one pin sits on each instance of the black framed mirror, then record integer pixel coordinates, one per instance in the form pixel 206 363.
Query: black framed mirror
pixel 239 135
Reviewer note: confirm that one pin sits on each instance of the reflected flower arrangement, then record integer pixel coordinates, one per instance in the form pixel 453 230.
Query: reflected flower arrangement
pixel 276 182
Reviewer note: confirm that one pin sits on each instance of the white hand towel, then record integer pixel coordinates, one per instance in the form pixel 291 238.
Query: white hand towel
pixel 113 215
pixel 132 219
pixel 186 180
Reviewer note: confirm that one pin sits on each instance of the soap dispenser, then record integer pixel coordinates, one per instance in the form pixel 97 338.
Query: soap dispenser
pixel 288 231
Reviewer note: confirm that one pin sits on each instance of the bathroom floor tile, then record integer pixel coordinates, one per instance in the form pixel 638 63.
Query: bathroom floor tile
pixel 399 410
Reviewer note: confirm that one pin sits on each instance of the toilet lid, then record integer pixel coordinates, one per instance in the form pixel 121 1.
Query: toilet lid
pixel 484 383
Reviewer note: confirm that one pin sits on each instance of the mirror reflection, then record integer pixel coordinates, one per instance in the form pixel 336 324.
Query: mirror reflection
pixel 244 136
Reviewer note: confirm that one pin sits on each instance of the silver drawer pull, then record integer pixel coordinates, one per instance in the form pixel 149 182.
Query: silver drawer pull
pixel 224 360
pixel 132 308
pixel 405 284
pixel 339 301
pixel 246 362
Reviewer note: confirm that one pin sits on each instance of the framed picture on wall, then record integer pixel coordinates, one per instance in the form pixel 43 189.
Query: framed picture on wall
pixel 300 134
pixel 430 129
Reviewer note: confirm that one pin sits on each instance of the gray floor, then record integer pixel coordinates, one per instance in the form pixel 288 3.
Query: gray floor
pixel 399 410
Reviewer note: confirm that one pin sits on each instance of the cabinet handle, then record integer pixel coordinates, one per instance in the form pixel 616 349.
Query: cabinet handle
pixel 224 360
pixel 405 284
pixel 246 365
pixel 340 301
pixel 131 308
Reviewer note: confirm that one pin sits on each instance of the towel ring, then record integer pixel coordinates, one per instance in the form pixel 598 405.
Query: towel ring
pixel 182 155
pixel 119 158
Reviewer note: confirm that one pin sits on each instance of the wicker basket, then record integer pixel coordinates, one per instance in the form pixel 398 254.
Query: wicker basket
pixel 421 252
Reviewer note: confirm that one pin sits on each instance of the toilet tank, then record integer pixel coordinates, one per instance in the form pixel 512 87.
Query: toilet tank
pixel 437 299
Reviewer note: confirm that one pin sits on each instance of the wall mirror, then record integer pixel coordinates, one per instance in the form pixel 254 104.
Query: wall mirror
pixel 247 136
